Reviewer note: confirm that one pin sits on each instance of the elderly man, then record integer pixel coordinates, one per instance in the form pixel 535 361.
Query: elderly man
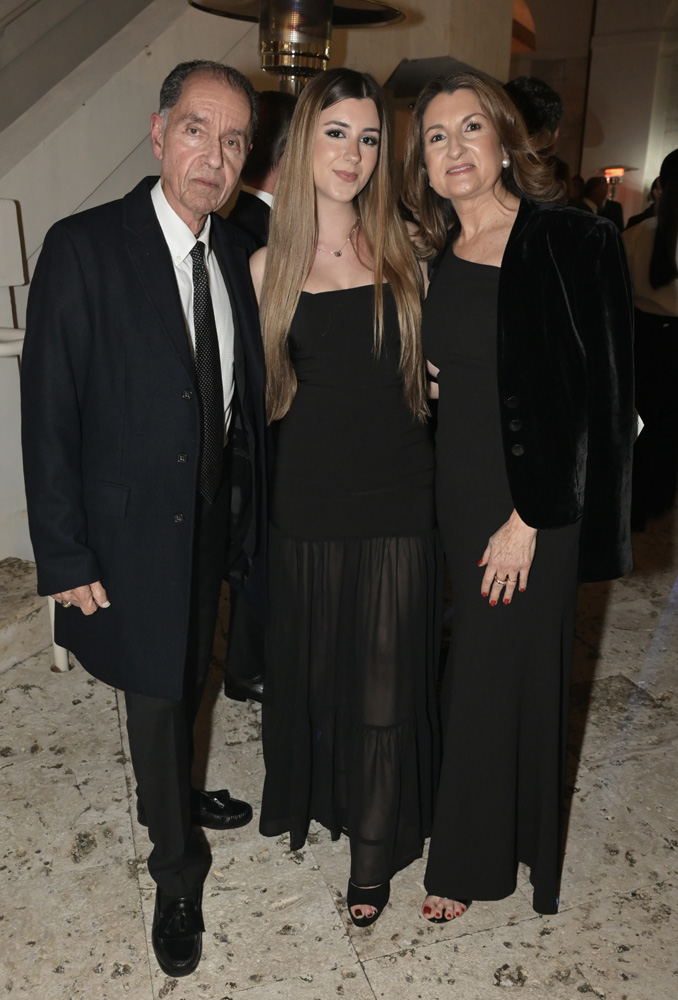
pixel 143 425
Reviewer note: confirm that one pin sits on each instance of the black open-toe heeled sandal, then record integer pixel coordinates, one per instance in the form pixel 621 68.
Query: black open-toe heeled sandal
pixel 377 897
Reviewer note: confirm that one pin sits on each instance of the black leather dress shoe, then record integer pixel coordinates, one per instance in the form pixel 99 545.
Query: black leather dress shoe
pixel 177 933
pixel 218 811
pixel 242 688
pixel 215 810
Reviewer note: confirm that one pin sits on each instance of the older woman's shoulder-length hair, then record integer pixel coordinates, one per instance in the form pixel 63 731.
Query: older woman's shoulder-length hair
pixel 294 233
pixel 527 175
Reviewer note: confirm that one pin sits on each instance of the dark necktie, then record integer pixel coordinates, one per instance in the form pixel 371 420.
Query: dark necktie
pixel 208 371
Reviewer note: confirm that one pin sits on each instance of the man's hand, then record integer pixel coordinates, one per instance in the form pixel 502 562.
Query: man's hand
pixel 88 598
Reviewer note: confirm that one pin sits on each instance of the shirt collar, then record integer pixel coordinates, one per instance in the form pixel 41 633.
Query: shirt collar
pixel 178 236
pixel 261 195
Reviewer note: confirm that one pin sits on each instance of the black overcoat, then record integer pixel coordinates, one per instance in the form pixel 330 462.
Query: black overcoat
pixel 111 432
pixel 565 375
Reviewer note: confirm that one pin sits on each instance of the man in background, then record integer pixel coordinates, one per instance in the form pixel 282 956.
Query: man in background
pixel 595 200
pixel 244 673
pixel 252 210
pixel 541 109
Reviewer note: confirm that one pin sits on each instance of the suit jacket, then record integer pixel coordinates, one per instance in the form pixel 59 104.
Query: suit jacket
pixel 565 378
pixel 111 436
pixel 253 216
pixel 613 211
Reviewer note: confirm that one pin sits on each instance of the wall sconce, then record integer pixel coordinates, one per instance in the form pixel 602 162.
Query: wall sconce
pixel 295 35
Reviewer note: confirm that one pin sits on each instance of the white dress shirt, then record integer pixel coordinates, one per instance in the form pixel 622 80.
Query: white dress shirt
pixel 181 241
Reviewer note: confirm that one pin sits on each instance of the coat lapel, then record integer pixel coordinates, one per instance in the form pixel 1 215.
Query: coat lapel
pixel 150 254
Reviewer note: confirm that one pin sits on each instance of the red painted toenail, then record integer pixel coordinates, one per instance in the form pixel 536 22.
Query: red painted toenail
pixel 427 909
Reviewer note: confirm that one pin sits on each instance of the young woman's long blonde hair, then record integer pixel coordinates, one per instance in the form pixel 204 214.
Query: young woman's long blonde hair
pixel 294 233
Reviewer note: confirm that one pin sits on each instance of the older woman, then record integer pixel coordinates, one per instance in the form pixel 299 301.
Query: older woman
pixel 527 328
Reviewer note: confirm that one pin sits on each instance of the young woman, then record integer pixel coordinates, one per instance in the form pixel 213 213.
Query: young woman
pixel 350 733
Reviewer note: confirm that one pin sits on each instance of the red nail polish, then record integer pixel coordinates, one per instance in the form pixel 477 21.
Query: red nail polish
pixel 427 909
pixel 506 600
pixel 480 562
pixel 484 593
pixel 522 590
pixel 492 603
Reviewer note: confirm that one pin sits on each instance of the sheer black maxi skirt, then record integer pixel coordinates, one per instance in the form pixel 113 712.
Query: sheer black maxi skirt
pixel 350 728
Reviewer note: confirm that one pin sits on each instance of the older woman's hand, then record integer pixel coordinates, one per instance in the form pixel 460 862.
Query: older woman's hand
pixel 508 557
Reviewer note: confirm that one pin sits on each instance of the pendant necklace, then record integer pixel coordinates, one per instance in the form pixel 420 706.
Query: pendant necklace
pixel 339 252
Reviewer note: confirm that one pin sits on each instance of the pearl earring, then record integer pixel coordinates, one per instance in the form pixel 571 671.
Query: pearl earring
pixel 506 162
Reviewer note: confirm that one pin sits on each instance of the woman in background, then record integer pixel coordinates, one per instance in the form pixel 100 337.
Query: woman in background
pixel 527 328
pixel 652 251
pixel 349 717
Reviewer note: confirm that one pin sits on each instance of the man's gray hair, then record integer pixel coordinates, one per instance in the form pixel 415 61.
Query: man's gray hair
pixel 170 92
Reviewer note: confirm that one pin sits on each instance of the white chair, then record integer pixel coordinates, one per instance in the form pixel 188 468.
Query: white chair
pixel 12 341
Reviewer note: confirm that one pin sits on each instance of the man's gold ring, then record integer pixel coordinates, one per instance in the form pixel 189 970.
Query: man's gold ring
pixel 65 604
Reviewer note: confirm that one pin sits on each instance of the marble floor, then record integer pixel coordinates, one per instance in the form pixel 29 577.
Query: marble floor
pixel 77 902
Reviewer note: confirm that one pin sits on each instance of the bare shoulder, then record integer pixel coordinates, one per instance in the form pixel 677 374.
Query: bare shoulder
pixel 257 267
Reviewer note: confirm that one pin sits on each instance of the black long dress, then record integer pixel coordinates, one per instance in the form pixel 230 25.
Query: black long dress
pixel 349 717
pixel 505 694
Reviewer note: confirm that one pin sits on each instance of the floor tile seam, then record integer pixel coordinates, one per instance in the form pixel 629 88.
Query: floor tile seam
pixel 618 757
pixel 63 870
pixel 615 798
pixel 610 896
pixel 37 652
pixel 423 943
pixel 294 979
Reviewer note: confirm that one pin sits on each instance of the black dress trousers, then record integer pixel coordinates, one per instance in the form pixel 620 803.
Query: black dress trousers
pixel 161 730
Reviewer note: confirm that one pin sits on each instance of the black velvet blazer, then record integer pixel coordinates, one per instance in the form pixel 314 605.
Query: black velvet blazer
pixel 565 376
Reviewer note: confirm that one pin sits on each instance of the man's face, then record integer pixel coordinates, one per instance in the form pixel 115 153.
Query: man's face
pixel 202 147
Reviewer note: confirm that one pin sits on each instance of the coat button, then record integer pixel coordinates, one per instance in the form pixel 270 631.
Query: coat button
pixel 178 518
pixel 517 450
pixel 187 394
pixel 515 425
pixel 512 402
pixel 182 457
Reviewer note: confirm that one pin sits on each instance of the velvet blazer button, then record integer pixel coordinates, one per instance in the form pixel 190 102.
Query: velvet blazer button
pixel 515 425
pixel 517 450
pixel 512 402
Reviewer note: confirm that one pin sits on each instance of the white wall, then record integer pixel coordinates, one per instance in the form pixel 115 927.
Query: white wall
pixel 633 62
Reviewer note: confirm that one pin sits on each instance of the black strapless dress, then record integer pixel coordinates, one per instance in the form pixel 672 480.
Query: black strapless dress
pixel 505 695
pixel 350 727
